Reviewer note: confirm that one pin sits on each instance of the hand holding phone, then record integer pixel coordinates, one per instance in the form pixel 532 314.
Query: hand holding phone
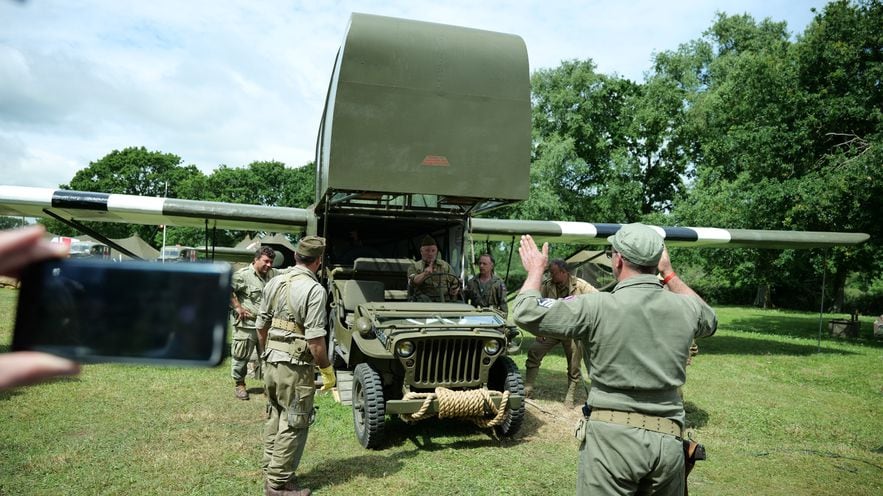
pixel 99 311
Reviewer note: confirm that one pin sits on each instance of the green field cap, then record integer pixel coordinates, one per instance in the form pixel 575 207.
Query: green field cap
pixel 311 246
pixel 638 243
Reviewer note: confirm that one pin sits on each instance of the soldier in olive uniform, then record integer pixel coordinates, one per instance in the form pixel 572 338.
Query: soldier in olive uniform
pixel 431 278
pixel 486 290
pixel 291 326
pixel 561 284
pixel 248 285
pixel 636 340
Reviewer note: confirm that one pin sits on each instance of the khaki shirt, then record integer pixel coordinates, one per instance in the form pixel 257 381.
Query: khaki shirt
pixel 574 286
pixel 636 340
pixel 432 287
pixel 295 296
pixel 491 294
pixel 248 286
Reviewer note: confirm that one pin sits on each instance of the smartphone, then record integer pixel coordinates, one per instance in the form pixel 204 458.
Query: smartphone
pixel 142 312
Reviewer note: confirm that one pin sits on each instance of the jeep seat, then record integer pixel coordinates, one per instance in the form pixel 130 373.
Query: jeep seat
pixel 357 291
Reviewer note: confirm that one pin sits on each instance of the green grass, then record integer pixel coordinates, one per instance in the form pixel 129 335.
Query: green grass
pixel 776 415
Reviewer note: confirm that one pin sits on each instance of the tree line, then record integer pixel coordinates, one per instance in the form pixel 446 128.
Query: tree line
pixel 742 127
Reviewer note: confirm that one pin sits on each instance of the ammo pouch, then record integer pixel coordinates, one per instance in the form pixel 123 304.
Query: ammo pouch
pixel 297 348
pixel 301 413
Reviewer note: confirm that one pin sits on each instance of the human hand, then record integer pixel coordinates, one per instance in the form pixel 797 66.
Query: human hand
pixel 28 367
pixel 22 247
pixel 532 258
pixel 664 265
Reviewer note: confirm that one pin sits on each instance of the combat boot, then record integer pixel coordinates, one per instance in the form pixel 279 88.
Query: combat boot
pixel 289 489
pixel 571 392
pixel 240 391
pixel 530 377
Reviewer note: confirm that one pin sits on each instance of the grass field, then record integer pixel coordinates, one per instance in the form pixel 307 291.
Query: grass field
pixel 776 415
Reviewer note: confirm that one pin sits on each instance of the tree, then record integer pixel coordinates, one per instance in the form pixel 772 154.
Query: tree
pixel 778 143
pixel 133 171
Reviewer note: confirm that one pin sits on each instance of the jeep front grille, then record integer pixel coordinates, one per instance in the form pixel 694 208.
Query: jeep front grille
pixel 447 362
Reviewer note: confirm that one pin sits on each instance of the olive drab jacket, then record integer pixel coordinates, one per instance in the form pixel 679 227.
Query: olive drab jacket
pixel 635 340
pixel 248 286
pixel 487 295
pixel 433 287
pixel 297 297
pixel 574 286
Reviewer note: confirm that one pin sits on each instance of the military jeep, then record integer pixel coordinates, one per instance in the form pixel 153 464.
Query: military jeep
pixel 401 351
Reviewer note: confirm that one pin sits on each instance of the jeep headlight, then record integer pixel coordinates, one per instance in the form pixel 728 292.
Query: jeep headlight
pixel 405 348
pixel 492 346
pixel 364 326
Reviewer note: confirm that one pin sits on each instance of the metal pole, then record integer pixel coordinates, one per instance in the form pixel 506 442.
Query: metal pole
pixel 822 305
pixel 509 264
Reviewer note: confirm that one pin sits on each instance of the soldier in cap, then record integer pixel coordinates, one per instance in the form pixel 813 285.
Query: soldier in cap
pixel 560 284
pixel 431 278
pixel 291 326
pixel 248 286
pixel 636 340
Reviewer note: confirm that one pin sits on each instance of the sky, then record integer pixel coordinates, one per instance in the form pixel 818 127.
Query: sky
pixel 231 82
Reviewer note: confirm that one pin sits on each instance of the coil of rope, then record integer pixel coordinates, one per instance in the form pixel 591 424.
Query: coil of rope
pixel 475 405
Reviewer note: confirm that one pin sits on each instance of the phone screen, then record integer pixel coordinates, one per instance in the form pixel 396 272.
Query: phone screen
pixel 99 311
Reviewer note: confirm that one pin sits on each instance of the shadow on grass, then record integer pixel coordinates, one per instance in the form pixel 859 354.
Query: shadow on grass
pixel 430 436
pixel 745 345
pixel 425 436
pixel 342 471
pixel 696 417
pixel 800 326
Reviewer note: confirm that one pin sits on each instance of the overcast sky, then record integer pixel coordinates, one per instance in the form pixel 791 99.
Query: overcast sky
pixel 231 82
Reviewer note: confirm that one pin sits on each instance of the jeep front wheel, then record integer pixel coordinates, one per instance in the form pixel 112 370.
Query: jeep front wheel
pixel 506 377
pixel 369 407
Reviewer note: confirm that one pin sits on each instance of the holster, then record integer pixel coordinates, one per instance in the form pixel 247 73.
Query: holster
pixel 693 452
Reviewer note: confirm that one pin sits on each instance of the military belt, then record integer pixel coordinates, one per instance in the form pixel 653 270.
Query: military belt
pixel 288 325
pixel 648 422
pixel 288 347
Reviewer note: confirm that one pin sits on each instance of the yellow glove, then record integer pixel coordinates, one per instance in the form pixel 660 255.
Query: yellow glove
pixel 328 378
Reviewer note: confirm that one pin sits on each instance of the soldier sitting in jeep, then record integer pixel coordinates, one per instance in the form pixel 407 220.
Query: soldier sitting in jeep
pixel 431 279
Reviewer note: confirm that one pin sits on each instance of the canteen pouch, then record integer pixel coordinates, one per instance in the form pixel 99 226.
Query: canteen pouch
pixel 301 413
pixel 580 431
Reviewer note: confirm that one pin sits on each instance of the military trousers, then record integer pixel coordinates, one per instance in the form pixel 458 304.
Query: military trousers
pixel 621 460
pixel 243 349
pixel 290 392
pixel 543 345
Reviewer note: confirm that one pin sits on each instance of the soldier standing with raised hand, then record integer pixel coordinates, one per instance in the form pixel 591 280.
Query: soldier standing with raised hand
pixel 291 325
pixel 636 341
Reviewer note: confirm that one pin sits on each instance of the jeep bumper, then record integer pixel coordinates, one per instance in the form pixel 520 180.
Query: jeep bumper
pixel 406 407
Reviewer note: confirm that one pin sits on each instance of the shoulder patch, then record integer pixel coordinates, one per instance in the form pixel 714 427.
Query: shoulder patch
pixel 546 302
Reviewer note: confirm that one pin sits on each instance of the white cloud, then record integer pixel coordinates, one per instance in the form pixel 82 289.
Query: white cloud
pixel 233 82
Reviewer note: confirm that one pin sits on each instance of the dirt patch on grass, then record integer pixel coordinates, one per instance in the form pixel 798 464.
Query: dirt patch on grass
pixel 549 420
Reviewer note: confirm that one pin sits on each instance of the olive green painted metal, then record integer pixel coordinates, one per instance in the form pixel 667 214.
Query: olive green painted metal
pixel 422 108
